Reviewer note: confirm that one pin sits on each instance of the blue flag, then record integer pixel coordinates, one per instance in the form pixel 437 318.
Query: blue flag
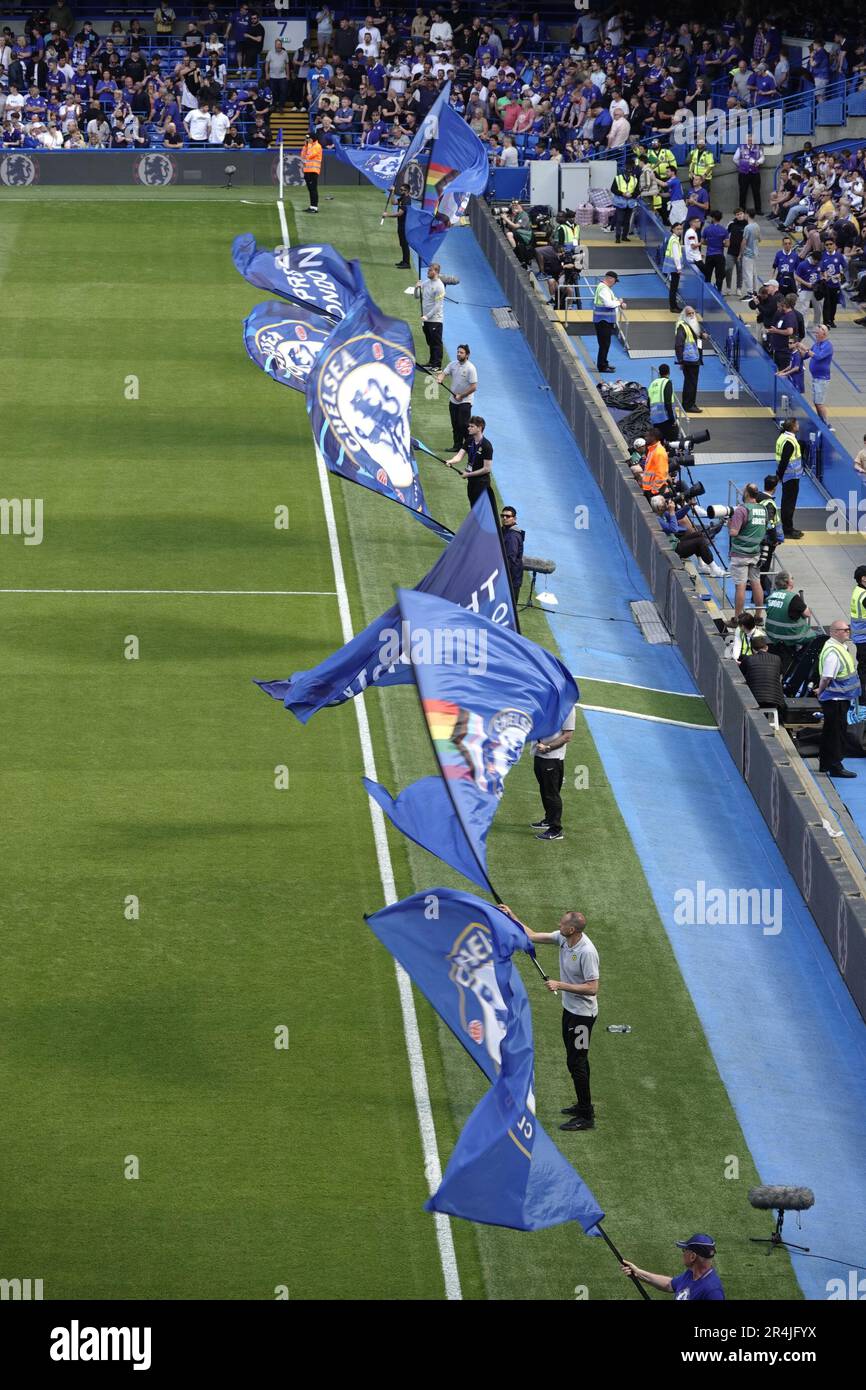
pixel 378 164
pixel 471 571
pixel 484 690
pixel 505 1170
pixel 285 340
pixel 359 400
pixel 443 166
pixel 315 277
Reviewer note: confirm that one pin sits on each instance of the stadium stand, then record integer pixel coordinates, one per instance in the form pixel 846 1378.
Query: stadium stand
pixel 564 90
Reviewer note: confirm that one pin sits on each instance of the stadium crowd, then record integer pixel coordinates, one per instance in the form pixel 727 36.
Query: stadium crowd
pixel 615 80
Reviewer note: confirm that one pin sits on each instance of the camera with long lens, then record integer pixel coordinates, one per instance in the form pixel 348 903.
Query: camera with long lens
pixel 682 453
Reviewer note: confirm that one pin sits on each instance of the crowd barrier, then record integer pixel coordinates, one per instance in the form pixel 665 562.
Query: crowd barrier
pixel 162 168
pixel 793 815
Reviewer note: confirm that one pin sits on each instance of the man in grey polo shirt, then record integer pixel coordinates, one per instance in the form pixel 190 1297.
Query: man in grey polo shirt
pixel 431 292
pixel 463 385
pixel 578 985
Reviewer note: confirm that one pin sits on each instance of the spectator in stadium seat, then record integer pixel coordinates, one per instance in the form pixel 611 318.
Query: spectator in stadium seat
pixel 749 255
pixel 197 124
pixel 277 70
pixel 219 124
pixel 259 139
pixel 98 132
pixel 324 29
pixel 164 18
pixel 171 138
pixel 820 359
pixel 253 43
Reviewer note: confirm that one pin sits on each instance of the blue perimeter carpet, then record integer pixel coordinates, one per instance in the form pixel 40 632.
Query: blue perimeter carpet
pixel 789 1044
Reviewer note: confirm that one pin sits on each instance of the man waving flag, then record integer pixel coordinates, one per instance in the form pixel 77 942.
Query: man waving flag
pixel 505 1170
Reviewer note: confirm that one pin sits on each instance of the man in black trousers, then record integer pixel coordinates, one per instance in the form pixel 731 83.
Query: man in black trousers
pixel 549 767
pixel 399 212
pixel 578 985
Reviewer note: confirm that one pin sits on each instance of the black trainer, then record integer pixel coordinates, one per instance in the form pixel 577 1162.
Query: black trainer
pixel 539 825
pixel 570 1110
pixel 584 1119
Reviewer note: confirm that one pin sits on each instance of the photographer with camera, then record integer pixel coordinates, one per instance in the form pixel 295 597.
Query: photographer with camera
pixel 518 231
pixel 552 266
pixel 747 528
pixel 656 470
pixel 687 541
pixel 787 623
pixel 775 535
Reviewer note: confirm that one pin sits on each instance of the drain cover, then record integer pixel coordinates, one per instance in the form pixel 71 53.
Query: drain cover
pixel 647 617
pixel 504 318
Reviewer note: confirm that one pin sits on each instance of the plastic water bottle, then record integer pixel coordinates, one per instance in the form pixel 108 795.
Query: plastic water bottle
pixel 619 1027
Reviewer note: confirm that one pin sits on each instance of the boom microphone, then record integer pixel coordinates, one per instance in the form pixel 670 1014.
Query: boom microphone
pixel 536 566
pixel 767 1198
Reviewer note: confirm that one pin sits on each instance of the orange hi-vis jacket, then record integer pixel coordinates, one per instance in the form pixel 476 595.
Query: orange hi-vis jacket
pixel 655 473
pixel 311 154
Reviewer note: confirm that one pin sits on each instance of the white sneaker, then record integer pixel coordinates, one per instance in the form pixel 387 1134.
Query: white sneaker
pixel 716 570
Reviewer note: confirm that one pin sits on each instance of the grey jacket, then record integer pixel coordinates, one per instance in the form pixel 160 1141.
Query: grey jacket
pixel 432 296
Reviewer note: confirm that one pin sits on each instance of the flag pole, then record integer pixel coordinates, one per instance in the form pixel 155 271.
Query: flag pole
pixel 532 956
pixel 438 457
pixel 633 1277
pixel 387 205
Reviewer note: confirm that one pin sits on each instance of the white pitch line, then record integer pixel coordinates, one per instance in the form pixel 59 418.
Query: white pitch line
pixel 255 593
pixel 630 685
pixel 652 718
pixel 417 1069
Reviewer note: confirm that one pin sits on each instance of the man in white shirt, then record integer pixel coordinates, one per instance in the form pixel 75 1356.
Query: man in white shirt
pixel 509 158
pixel 197 124
pixel 398 76
pixel 440 31
pixel 368 45
pixel 219 124
pixel 98 134
pixel 14 101
pixel 692 244
pixel 69 113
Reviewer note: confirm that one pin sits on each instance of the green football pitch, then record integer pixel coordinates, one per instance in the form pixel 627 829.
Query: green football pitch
pixel 156 1143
